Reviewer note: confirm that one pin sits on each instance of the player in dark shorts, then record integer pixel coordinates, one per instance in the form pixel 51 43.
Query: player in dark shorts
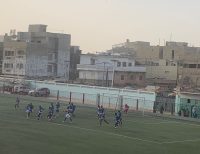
pixel 39 115
pixel 102 116
pixel 118 119
pixel 17 103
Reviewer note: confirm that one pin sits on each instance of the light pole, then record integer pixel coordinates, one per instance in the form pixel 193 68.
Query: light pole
pixel 113 74
pixel 67 70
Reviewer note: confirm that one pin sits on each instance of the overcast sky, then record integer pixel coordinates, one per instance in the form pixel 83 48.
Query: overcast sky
pixel 95 25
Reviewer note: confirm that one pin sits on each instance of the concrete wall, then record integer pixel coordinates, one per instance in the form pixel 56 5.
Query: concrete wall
pixel 165 72
pixel 108 95
pixel 130 79
pixel 37 59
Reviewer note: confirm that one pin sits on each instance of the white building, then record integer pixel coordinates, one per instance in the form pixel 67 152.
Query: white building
pixel 37 53
pixel 110 70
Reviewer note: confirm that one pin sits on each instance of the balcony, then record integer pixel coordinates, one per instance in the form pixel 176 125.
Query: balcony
pixel 110 68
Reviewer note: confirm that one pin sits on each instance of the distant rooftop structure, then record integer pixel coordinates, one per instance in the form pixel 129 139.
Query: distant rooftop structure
pixel 37 28
pixel 183 44
pixel 1 38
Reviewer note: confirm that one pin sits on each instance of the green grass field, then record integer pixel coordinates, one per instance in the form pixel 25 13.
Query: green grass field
pixel 139 134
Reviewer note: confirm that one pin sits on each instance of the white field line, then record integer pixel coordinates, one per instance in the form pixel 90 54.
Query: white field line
pixel 108 133
pixel 117 135
pixel 93 130
pixel 183 141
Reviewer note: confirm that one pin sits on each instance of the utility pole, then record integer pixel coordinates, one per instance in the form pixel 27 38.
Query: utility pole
pixel 113 74
pixel 103 73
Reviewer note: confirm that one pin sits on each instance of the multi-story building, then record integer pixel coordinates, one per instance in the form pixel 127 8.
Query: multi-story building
pixel 110 70
pixel 37 53
pixel 75 53
pixel 178 53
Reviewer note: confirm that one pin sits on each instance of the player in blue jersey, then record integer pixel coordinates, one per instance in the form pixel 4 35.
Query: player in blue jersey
pixel 50 113
pixel 52 108
pixel 71 108
pixel 102 116
pixel 67 116
pixel 118 118
pixel 39 115
pixel 17 102
pixel 29 109
pixel 98 110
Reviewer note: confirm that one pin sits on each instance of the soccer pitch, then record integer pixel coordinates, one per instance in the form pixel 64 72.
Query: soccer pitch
pixel 139 134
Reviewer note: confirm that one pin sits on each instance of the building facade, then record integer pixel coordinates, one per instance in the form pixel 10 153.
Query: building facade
pixel 37 53
pixel 185 57
pixel 110 70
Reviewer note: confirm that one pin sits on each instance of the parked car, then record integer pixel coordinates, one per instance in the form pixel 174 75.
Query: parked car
pixel 21 89
pixel 39 92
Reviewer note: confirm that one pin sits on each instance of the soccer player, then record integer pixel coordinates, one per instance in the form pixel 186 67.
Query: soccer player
pixel 98 110
pixel 41 109
pixel 17 102
pixel 67 116
pixel 29 110
pixel 102 116
pixel 71 108
pixel 118 118
pixel 126 107
pixel 52 108
pixel 50 113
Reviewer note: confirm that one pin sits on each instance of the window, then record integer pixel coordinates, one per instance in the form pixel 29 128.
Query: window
pixel 9 53
pixel 132 77
pixel 19 66
pixel 192 65
pixel 8 65
pixel 185 65
pixel 140 78
pixel 129 64
pixel 92 61
pixel 20 52
pixel 50 57
pixel 124 64
pixel 172 54
pixel 122 77
pixel 49 68
pixel 118 64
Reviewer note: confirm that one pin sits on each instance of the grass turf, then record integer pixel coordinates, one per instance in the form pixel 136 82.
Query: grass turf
pixel 139 134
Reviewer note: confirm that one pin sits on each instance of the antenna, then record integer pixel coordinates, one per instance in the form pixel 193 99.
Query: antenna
pixel 170 39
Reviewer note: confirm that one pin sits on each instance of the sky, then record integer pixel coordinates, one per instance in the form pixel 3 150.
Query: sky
pixel 96 25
